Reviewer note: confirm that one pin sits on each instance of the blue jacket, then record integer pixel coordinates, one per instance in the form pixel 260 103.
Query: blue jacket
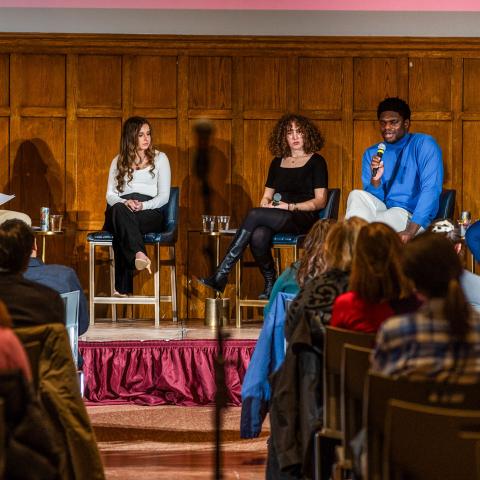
pixel 418 183
pixel 62 279
pixel 267 357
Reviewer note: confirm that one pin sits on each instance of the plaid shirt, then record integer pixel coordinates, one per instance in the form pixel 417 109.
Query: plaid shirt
pixel 419 346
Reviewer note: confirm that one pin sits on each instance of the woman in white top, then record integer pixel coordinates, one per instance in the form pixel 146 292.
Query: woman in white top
pixel 137 192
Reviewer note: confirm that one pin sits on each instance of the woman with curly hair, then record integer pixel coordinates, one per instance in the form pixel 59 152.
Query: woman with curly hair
pixel 296 188
pixel 137 192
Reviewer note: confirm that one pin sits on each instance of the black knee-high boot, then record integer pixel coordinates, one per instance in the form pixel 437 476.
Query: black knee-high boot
pixel 267 267
pixel 218 280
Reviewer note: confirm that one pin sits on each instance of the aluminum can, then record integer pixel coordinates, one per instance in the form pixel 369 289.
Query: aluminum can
pixel 44 219
pixel 465 218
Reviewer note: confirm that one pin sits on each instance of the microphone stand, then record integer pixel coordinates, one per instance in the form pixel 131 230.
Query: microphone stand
pixel 204 130
pixel 221 398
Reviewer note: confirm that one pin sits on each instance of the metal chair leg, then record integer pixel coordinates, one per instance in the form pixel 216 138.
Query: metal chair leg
pixel 238 281
pixel 112 282
pixel 156 286
pixel 91 283
pixel 173 283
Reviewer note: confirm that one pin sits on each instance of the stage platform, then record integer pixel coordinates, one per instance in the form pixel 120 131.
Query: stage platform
pixel 131 361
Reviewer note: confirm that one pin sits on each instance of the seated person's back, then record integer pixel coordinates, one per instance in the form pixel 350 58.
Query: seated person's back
pixel 377 284
pixel 28 303
pixel 12 353
pixel 441 341
pixel 62 279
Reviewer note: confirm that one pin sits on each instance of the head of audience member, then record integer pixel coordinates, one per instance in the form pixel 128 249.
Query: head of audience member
pixel 393 114
pixel 377 272
pixel 448 230
pixel 136 144
pixel 340 244
pixel 312 262
pixel 16 244
pixel 431 262
pixel 5 318
pixel 294 132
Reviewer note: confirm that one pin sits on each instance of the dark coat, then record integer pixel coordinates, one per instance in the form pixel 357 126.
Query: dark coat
pixel 297 402
pixel 30 303
pixel 31 449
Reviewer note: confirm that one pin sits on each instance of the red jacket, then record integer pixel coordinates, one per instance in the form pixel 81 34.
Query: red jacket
pixel 351 312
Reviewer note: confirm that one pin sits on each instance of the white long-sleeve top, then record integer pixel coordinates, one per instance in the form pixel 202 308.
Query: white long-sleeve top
pixel 142 182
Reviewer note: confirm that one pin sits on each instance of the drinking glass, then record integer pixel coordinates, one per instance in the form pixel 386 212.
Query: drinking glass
pixel 223 221
pixel 56 223
pixel 208 223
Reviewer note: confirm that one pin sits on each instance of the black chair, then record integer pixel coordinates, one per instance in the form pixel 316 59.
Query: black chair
pixel 283 241
pixel 445 442
pixel 380 389
pixel 446 206
pixel 167 238
pixel 331 435
pixel 290 240
pixel 355 366
pixel 335 340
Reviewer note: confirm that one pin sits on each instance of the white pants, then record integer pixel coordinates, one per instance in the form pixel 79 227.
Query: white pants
pixel 10 214
pixel 365 205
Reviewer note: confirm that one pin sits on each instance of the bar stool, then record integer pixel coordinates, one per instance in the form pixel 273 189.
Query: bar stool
pixel 282 241
pixel 167 239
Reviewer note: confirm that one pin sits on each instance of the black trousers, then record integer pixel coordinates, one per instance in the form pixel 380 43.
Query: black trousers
pixel 127 228
pixel 264 223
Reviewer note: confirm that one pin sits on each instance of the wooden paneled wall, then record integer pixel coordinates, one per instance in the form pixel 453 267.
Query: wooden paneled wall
pixel 63 99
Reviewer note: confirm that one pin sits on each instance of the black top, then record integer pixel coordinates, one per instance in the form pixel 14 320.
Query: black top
pixel 297 185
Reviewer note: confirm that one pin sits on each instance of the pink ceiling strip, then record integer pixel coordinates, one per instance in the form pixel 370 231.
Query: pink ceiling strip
pixel 326 5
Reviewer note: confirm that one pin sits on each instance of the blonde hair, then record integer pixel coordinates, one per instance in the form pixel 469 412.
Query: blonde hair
pixel 312 262
pixel 340 243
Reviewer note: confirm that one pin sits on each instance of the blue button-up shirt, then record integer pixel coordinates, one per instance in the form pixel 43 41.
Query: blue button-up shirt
pixel 418 183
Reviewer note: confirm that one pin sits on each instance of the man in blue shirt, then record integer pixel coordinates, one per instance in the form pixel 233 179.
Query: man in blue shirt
pixel 61 278
pixel 402 178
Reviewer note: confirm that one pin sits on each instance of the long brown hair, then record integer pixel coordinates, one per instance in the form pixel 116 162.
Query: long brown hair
pixel 431 262
pixel 377 272
pixel 312 138
pixel 5 318
pixel 312 262
pixel 340 243
pixel 128 150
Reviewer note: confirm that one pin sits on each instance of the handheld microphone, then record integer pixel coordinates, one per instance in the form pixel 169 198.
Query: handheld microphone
pixel 276 199
pixel 380 151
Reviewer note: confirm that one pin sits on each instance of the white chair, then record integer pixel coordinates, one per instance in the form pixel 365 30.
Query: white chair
pixel 72 302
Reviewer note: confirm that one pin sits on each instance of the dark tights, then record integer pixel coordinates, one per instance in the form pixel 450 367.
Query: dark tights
pixel 264 223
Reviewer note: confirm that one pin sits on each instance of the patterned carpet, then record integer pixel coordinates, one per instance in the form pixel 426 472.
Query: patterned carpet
pixel 168 442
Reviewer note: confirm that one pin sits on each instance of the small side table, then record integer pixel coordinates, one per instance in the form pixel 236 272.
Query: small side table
pixel 215 308
pixel 44 234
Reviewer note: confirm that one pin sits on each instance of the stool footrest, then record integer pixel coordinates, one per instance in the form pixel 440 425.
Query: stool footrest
pixel 252 303
pixel 136 300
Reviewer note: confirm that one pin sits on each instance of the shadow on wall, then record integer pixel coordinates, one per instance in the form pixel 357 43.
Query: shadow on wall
pixel 36 179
